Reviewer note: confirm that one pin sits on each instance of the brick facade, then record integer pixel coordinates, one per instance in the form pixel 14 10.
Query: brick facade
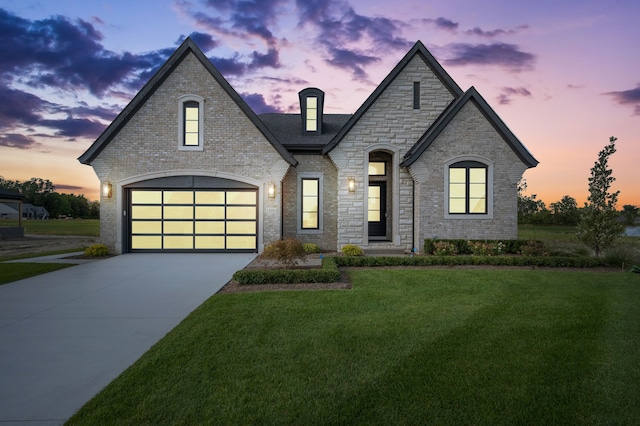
pixel 147 146
pixel 317 165
pixel 417 138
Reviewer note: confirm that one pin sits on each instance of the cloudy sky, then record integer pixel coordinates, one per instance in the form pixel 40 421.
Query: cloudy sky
pixel 563 74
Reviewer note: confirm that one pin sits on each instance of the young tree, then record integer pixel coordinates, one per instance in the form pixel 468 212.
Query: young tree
pixel 599 227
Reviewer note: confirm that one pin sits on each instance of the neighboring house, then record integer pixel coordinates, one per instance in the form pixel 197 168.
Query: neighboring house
pixel 187 165
pixel 29 211
pixel 9 211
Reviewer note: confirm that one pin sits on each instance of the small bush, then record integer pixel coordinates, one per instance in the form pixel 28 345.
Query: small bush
pixel 96 250
pixel 311 248
pixel 329 273
pixel 480 248
pixel 619 256
pixel 352 250
pixel 444 248
pixel 286 252
pixel 533 248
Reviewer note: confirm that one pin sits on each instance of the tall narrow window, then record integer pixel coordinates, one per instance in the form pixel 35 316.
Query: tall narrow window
pixel 468 188
pixel 416 95
pixel 310 203
pixel 191 123
pixel 312 114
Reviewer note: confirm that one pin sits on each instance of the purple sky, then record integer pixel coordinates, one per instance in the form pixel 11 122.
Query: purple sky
pixel 563 75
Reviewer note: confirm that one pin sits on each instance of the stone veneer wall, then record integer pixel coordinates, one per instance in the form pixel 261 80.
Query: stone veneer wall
pixel 392 125
pixel 313 164
pixel 148 145
pixel 468 134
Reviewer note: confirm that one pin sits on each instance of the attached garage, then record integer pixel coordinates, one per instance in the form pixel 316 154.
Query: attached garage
pixel 192 213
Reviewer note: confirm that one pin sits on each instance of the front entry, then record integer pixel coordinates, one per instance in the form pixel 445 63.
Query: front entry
pixel 377 209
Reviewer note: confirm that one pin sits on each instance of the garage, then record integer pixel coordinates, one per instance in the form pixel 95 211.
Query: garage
pixel 192 213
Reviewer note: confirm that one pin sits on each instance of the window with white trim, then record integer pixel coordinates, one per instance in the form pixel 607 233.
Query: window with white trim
pixel 468 188
pixel 190 122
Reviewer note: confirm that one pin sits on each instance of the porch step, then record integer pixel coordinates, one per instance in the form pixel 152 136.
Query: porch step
pixel 383 251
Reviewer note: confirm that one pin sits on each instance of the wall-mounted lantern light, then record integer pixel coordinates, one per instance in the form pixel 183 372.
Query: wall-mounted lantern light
pixel 352 184
pixel 107 190
pixel 271 190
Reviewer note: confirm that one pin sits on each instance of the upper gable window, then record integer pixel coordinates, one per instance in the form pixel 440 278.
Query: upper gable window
pixel 190 123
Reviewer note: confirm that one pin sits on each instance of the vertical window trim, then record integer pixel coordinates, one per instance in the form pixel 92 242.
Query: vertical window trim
pixel 183 103
pixel 488 165
pixel 319 177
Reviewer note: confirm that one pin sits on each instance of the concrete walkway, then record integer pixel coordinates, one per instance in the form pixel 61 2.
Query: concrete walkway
pixel 66 334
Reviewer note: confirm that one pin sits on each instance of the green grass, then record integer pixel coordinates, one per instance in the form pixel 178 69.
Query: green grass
pixel 403 347
pixel 10 272
pixel 82 227
pixel 40 254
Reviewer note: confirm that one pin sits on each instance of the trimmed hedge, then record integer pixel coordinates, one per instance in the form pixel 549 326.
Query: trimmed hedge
pixel 462 246
pixel 327 274
pixel 539 261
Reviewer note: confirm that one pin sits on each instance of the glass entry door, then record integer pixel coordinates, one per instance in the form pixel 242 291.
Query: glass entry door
pixel 376 209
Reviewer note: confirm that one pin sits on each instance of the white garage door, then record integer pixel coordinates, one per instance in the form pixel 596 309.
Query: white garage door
pixel 193 219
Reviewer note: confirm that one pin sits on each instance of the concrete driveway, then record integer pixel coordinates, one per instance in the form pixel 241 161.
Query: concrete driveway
pixel 66 334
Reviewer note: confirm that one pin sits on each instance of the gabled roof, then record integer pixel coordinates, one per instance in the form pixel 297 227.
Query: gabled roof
pixel 188 46
pixel 451 111
pixel 427 57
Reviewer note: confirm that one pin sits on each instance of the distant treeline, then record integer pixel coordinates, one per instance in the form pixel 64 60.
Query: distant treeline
pixel 40 192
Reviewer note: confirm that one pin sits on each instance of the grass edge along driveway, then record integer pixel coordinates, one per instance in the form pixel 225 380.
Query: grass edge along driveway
pixel 402 347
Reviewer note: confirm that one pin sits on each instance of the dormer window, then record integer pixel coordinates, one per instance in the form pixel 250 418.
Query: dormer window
pixel 312 114
pixel 311 104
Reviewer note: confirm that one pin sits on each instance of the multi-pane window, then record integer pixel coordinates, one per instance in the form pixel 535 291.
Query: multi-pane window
pixel 312 114
pixel 191 123
pixel 310 202
pixel 468 188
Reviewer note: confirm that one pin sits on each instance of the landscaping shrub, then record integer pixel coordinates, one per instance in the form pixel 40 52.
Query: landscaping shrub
pixel 533 248
pixel 464 246
pixel 96 250
pixel 444 248
pixel 311 248
pixel 352 250
pixel 286 252
pixel 480 248
pixel 329 273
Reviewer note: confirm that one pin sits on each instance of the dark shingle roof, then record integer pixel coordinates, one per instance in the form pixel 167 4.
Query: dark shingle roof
pixel 287 128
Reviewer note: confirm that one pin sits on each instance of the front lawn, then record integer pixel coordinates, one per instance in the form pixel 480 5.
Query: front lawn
pixel 10 272
pixel 414 346
pixel 81 227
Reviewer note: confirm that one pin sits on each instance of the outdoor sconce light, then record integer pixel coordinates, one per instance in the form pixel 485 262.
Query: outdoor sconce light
pixel 271 190
pixel 107 190
pixel 352 184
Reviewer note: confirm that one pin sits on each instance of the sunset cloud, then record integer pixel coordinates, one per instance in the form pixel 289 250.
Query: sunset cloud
pixel 507 94
pixel 508 56
pixel 629 97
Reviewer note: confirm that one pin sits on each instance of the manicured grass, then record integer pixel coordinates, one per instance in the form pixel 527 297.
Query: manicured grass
pixel 82 227
pixel 10 272
pixel 40 254
pixel 411 346
pixel 548 233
